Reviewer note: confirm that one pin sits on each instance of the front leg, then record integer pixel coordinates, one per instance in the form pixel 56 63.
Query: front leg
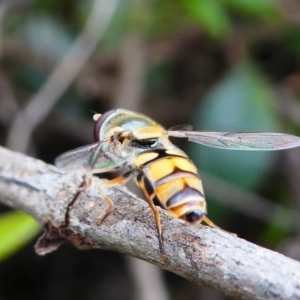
pixel 123 179
pixel 88 182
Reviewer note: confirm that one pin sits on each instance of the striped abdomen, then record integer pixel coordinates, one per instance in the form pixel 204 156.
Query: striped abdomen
pixel 171 181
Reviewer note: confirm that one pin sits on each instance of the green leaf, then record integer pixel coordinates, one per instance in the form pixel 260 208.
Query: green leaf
pixel 44 4
pixel 166 17
pixel 275 231
pixel 292 39
pixel 264 9
pixel 242 101
pixel 211 15
pixel 16 230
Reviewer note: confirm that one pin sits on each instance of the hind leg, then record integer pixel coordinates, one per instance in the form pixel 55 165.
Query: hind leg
pixel 213 225
pixel 156 215
pixel 210 223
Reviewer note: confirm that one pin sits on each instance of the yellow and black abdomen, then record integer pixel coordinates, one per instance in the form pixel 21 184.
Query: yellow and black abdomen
pixel 169 179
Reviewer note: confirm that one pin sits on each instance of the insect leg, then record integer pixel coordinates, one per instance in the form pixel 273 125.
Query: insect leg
pixel 87 184
pixel 123 179
pixel 156 214
pixel 211 224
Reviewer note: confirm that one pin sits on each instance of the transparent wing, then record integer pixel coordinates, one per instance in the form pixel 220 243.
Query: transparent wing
pixel 241 140
pixel 181 127
pixel 101 156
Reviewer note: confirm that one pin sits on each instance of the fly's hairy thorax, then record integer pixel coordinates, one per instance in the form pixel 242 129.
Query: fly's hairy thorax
pixel 123 120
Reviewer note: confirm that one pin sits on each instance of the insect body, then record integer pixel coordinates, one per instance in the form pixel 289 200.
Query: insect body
pixel 167 177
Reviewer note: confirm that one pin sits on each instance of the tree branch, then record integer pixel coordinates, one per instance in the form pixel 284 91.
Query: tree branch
pixel 200 254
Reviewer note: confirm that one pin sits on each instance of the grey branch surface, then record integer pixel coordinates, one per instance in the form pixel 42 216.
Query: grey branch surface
pixel 199 253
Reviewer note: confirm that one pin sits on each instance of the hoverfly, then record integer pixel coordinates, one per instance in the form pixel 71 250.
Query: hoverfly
pixel 165 174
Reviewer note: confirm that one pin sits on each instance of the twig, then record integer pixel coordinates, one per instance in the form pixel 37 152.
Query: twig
pixel 133 65
pixel 3 9
pixel 41 104
pixel 8 103
pixel 143 272
pixel 200 254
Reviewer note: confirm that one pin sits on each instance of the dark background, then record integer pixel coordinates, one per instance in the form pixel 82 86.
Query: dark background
pixel 224 65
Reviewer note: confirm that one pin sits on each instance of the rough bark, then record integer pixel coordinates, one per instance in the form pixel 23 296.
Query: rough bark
pixel 201 254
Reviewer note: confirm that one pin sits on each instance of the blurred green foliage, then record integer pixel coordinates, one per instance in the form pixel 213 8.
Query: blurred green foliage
pixel 16 230
pixel 211 15
pixel 261 9
pixel 241 101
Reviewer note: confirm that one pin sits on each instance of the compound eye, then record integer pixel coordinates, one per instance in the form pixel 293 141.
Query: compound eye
pixel 99 123
pixel 194 216
pixel 146 144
